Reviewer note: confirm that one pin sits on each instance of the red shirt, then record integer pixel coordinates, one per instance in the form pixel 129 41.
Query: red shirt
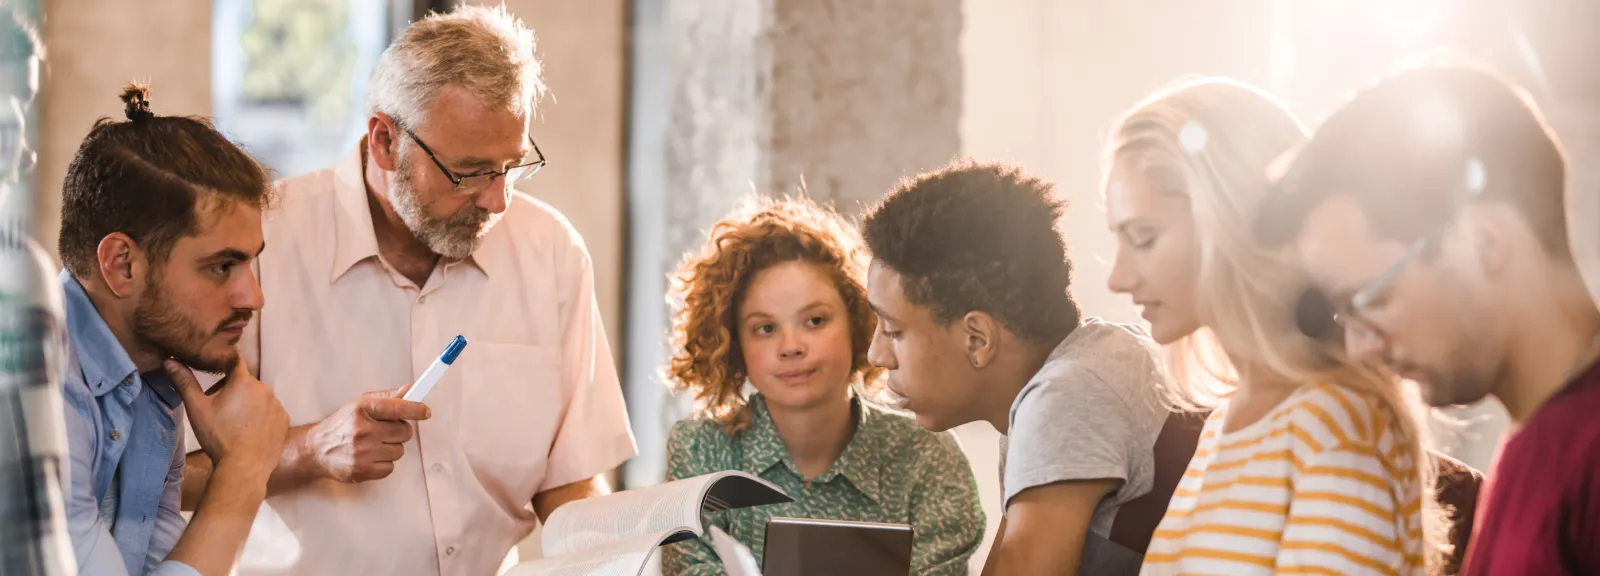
pixel 1542 512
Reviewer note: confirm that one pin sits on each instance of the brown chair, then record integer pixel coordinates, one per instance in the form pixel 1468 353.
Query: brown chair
pixel 1136 521
pixel 1457 489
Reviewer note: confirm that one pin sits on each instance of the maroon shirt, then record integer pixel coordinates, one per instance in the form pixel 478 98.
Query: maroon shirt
pixel 1542 512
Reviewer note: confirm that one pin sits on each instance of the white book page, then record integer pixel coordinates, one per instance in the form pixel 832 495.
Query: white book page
pixel 587 523
pixel 621 558
pixel 737 560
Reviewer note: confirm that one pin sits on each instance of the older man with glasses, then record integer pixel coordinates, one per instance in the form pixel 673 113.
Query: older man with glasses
pixel 377 264
pixel 1430 213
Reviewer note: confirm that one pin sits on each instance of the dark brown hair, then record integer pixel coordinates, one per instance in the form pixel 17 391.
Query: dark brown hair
pixel 144 177
pixel 1400 148
pixel 979 236
pixel 706 359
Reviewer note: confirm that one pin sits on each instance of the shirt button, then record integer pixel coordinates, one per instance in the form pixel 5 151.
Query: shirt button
pixel 422 299
pixel 438 467
pixel 116 434
pixel 450 551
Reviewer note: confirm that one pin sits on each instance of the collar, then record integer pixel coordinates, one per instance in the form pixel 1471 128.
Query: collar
pixel 105 363
pixel 764 448
pixel 353 236
pixel 355 239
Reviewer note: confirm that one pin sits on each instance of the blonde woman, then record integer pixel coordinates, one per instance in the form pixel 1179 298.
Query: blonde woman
pixel 1308 463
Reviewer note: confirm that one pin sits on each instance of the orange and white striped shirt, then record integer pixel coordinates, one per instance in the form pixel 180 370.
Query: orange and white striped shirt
pixel 1320 485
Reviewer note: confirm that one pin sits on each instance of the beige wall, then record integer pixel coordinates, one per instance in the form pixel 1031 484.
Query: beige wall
pixel 580 129
pixel 92 48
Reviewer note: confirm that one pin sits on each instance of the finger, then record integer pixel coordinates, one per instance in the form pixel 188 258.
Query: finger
pixel 232 375
pixel 388 452
pixel 401 391
pixel 393 409
pixel 375 471
pixel 395 432
pixel 183 380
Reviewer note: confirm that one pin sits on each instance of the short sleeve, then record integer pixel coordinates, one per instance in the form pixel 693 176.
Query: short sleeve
pixel 595 436
pixel 1343 516
pixel 1070 426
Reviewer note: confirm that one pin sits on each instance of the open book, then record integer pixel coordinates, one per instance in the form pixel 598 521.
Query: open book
pixel 615 535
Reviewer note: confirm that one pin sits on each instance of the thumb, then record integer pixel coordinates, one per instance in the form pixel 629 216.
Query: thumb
pixel 389 392
pixel 183 380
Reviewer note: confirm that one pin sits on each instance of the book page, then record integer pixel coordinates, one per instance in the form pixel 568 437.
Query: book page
pixel 672 506
pixel 621 558
pixel 737 560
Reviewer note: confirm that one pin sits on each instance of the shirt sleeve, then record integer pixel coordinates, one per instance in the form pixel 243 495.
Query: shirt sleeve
pixel 595 436
pixel 92 543
pixel 1343 515
pixel 1069 425
pixel 944 507
pixel 689 456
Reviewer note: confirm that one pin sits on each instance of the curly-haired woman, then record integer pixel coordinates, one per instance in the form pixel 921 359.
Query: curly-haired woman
pixel 777 298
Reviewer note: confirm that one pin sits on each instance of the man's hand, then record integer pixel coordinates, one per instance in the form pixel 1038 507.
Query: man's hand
pixel 362 440
pixel 241 424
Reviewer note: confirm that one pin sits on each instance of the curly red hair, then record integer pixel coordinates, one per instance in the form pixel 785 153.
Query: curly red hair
pixel 710 284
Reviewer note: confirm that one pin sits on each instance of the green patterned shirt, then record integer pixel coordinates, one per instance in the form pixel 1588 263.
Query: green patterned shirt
pixel 892 471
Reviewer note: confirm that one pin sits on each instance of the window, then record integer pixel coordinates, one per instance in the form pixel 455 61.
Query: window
pixel 289 77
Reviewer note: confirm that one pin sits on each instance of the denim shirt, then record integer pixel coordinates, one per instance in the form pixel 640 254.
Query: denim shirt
pixel 126 447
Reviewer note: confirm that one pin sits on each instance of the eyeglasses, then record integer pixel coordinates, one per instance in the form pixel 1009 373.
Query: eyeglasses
pixel 477 181
pixel 1349 313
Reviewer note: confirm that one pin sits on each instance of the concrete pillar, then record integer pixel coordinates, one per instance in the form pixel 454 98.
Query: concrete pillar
pixel 739 98
pixel 93 47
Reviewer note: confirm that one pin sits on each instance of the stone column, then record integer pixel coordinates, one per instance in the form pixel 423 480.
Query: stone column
pixel 733 99
pixel 93 47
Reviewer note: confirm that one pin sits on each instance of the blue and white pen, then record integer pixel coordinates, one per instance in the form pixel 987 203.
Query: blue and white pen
pixel 435 371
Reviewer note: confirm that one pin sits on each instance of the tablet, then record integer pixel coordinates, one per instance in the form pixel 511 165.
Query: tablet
pixel 805 547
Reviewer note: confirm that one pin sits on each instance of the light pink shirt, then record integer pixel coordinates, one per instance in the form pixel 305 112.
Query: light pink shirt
pixel 532 404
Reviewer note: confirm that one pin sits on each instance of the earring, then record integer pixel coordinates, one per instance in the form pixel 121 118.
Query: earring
pixel 974 360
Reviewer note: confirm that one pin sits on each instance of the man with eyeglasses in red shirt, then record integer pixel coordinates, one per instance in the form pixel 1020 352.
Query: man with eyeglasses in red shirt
pixel 1429 212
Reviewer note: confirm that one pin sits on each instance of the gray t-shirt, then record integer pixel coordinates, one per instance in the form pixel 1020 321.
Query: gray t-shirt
pixel 1093 411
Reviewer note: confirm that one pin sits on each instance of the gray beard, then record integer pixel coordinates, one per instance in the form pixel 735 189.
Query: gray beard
pixel 437 234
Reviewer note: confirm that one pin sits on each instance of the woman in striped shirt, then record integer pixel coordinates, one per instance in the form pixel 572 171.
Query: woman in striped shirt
pixel 1308 463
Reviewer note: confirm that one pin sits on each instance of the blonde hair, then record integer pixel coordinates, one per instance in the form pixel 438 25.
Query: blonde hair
pixel 1212 140
pixel 482 49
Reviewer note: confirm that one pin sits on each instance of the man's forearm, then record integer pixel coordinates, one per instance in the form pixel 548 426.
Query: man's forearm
pixel 546 503
pixel 296 468
pixel 225 512
pixel 991 562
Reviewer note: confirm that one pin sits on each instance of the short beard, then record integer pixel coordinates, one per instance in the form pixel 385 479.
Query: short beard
pixel 437 233
pixel 160 323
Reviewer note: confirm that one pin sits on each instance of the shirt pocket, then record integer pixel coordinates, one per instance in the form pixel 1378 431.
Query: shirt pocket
pixel 511 409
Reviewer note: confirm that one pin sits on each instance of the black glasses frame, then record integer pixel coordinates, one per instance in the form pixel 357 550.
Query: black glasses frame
pixel 457 180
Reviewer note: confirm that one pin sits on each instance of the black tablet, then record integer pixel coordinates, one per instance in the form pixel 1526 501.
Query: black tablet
pixel 804 547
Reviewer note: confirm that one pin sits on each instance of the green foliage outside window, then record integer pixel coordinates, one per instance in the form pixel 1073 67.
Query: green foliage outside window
pixel 299 53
